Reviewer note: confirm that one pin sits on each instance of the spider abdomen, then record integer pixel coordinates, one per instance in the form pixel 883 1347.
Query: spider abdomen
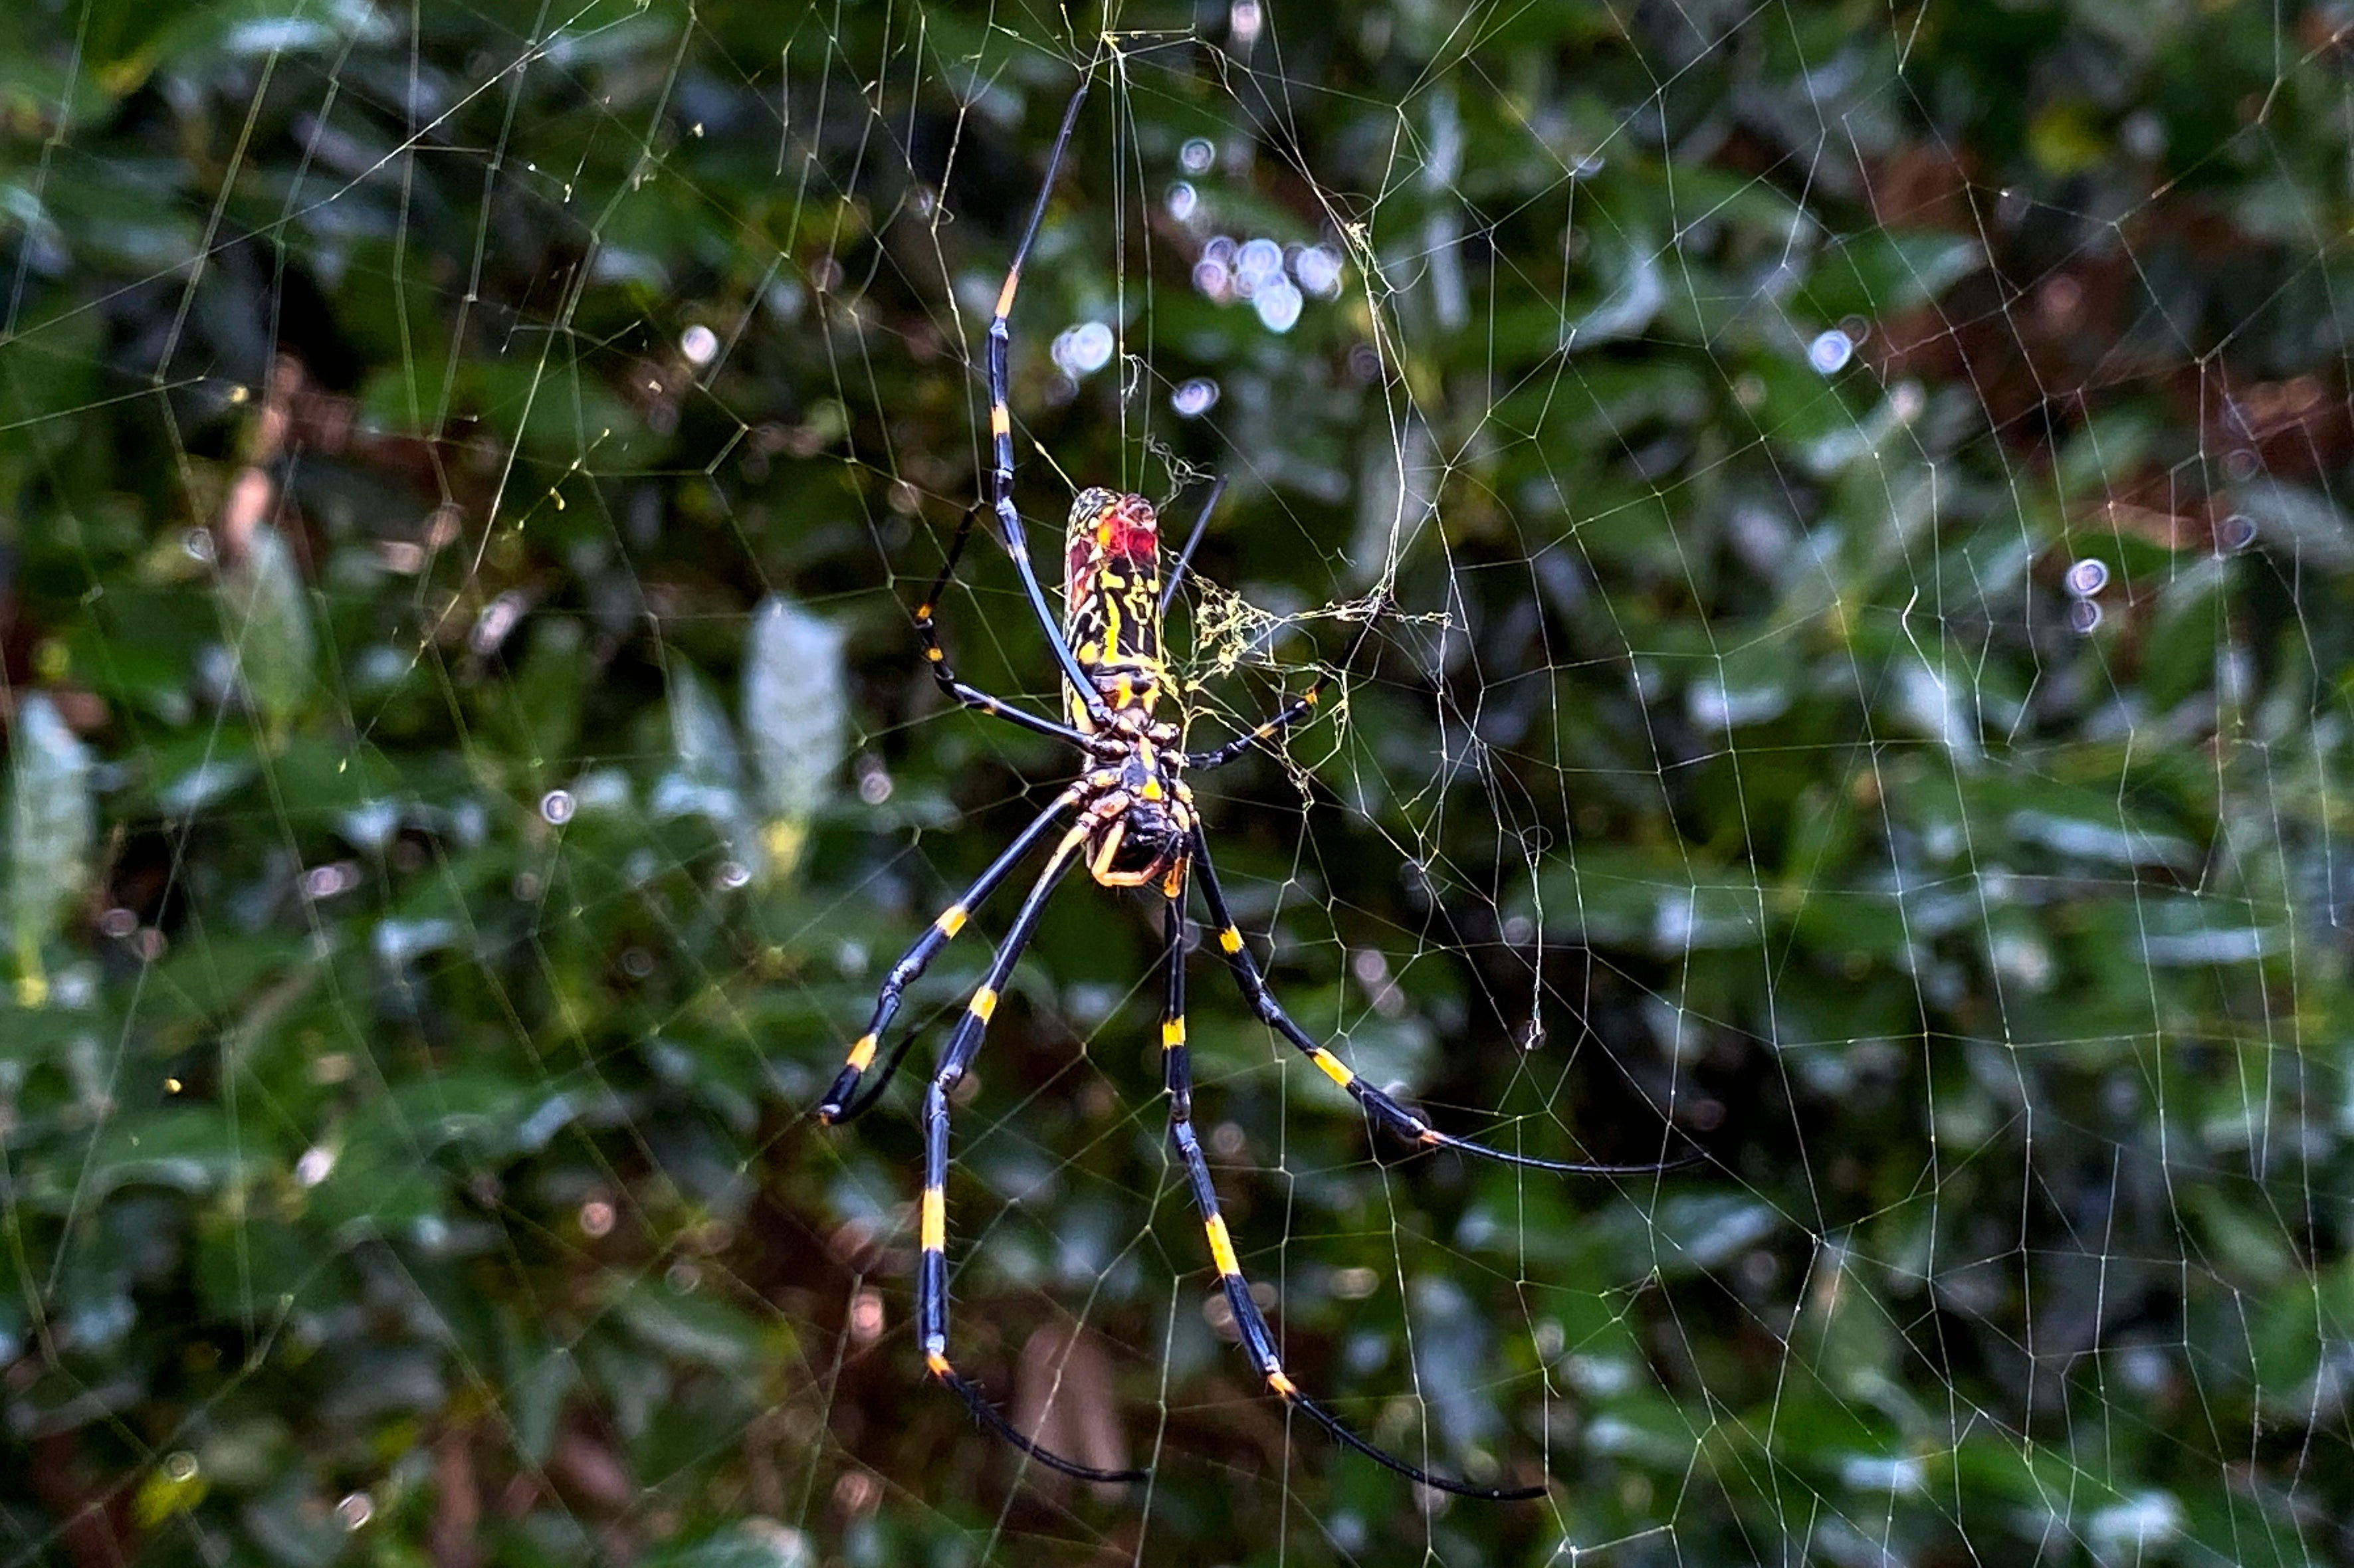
pixel 1111 595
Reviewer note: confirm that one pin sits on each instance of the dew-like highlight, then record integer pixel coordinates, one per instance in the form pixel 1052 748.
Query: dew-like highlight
pixel 1277 304
pixel 1259 262
pixel 1195 397
pixel 1082 350
pixel 1319 271
pixel 1831 351
pixel 562 570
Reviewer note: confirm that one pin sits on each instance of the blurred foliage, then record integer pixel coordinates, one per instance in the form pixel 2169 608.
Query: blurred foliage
pixel 1869 689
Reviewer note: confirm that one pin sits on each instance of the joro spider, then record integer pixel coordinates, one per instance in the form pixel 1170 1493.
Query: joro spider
pixel 1133 826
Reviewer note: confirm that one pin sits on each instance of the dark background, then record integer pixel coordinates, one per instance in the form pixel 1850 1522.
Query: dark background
pixel 1869 690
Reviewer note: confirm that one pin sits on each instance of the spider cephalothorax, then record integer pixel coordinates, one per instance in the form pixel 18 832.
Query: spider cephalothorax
pixel 1132 815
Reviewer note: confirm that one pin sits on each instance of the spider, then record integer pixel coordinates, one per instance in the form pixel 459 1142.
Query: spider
pixel 1132 823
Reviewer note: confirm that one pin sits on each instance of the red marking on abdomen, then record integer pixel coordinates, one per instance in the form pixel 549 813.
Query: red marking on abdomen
pixel 1131 531
pixel 1128 543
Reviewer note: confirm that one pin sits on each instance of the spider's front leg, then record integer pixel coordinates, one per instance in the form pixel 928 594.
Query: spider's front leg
pixel 837 1106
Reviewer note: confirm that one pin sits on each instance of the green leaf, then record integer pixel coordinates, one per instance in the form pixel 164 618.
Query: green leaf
pixel 52 825
pixel 746 1544
pixel 266 611
pixel 692 1327
pixel 797 718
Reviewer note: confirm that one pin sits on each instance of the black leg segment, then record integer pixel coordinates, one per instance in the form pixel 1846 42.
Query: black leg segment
pixel 936 656
pixel 1292 711
pixel 1001 429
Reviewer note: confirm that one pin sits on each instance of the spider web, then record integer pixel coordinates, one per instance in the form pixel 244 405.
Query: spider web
pixel 1861 693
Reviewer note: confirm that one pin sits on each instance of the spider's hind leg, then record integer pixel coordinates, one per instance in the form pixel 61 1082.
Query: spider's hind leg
pixel 1259 1340
pixel 1184 558
pixel 996 368
pixel 1380 1109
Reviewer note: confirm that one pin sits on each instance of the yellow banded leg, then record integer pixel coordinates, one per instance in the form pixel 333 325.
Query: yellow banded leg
pixel 1380 1109
pixel 929 631
pixel 838 1103
pixel 1250 1323
pixel 932 1226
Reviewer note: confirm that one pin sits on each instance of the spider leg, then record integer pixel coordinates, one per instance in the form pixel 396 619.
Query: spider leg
pixel 936 656
pixel 838 1107
pixel 1000 430
pixel 1258 1340
pixel 1380 1109
pixel 1292 711
pixel 1185 556
pixel 932 1264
